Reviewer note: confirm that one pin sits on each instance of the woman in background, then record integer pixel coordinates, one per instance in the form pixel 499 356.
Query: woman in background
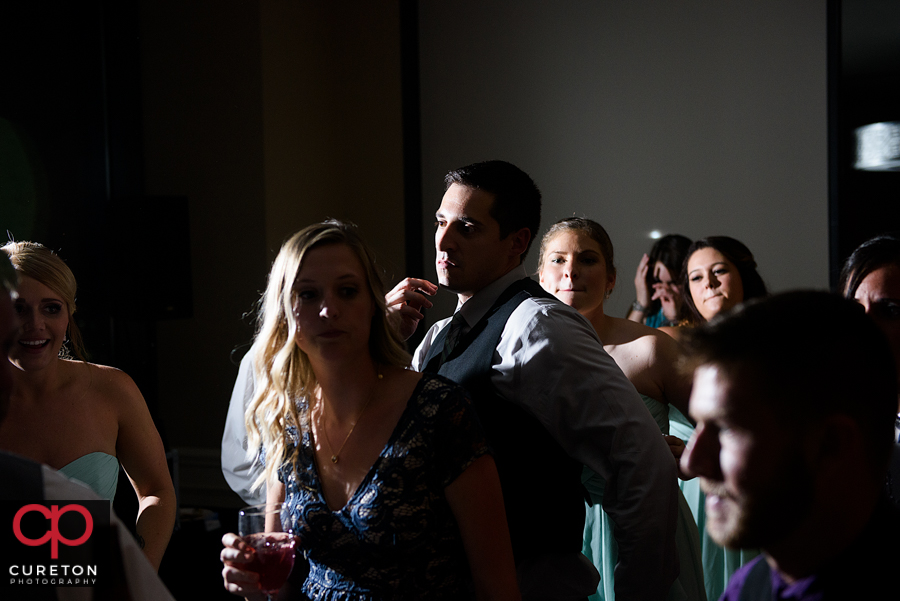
pixel 719 273
pixel 385 471
pixel 871 277
pixel 658 291
pixel 576 265
pixel 78 417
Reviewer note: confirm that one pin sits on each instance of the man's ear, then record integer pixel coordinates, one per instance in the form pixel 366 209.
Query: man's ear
pixel 837 442
pixel 520 240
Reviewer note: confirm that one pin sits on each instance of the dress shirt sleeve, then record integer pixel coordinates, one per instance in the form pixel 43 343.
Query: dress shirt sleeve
pixel 239 470
pixel 550 360
pixel 418 360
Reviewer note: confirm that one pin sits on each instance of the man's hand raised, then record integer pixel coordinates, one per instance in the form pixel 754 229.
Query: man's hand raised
pixel 405 303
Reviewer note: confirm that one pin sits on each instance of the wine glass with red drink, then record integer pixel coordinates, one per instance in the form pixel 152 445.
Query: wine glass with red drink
pixel 272 541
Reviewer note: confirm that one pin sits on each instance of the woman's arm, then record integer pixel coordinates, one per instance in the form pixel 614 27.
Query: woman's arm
pixel 676 386
pixel 641 291
pixel 477 504
pixel 274 494
pixel 141 453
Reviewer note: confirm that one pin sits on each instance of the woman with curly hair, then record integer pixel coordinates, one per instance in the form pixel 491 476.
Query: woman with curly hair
pixel 385 472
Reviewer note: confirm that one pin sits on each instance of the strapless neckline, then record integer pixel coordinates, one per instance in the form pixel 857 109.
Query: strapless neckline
pixel 98 470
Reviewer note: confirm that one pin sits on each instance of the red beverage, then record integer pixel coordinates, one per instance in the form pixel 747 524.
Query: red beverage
pixel 273 559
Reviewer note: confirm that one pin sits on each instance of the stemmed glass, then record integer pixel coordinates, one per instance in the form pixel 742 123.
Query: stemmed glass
pixel 261 527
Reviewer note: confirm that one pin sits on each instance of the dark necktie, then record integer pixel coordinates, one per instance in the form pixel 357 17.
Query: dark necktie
pixel 454 333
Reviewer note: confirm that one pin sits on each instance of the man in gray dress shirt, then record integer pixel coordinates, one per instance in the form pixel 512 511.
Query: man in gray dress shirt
pixel 549 396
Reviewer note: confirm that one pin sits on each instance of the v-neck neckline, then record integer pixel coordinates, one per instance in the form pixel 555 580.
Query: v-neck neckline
pixel 320 491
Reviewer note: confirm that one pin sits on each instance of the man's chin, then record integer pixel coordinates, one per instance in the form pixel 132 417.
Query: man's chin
pixel 724 533
pixel 447 283
pixel 721 519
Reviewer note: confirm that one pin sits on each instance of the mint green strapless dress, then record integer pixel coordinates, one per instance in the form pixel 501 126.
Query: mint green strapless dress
pixel 99 471
pixel 600 546
pixel 719 563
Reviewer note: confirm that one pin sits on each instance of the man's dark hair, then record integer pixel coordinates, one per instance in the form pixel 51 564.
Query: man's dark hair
pixel 736 252
pixel 872 254
pixel 809 355
pixel 517 200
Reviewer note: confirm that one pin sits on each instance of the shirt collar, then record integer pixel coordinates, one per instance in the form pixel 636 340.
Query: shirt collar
pixel 479 303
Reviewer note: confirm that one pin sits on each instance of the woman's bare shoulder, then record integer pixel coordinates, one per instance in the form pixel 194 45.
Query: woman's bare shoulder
pixel 627 333
pixel 107 383
pixel 675 332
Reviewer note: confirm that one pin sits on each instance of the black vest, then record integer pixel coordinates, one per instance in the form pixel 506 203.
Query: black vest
pixel 541 484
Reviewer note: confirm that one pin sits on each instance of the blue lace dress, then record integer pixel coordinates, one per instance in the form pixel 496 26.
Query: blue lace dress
pixel 396 538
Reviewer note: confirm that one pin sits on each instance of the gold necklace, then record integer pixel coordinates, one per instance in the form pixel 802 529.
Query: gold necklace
pixel 336 456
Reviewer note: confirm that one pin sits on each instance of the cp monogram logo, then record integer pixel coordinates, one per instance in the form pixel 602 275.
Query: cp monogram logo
pixel 53 534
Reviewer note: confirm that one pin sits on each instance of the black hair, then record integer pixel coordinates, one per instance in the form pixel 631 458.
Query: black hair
pixel 870 255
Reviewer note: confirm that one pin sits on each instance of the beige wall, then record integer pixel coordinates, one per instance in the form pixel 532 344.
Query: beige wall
pixel 332 120
pixel 698 118
pixel 268 116
pixel 203 132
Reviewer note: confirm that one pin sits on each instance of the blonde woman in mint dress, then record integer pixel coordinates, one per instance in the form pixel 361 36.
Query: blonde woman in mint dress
pixel 78 417
pixel 576 266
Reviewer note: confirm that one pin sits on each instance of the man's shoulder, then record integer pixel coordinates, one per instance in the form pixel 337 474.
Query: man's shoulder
pixel 59 487
pixel 418 360
pixel 433 331
pixel 549 315
pixel 55 485
pixel 758 574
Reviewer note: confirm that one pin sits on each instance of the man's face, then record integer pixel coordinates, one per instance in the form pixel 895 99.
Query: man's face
pixel 8 330
pixel 469 251
pixel 750 462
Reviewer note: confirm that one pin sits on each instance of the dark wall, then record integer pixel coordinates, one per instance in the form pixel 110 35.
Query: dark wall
pixel 73 168
pixel 866 72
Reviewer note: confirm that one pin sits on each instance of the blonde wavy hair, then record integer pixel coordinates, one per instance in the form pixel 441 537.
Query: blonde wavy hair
pixel 283 374
pixel 41 264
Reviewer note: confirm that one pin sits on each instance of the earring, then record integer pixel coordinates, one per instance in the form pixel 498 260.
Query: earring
pixel 64 352
pixel 608 293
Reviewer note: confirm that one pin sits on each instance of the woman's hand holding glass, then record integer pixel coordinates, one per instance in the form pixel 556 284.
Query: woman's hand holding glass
pixel 259 561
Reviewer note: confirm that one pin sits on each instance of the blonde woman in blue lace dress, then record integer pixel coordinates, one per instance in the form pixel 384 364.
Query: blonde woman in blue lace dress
pixel 385 471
